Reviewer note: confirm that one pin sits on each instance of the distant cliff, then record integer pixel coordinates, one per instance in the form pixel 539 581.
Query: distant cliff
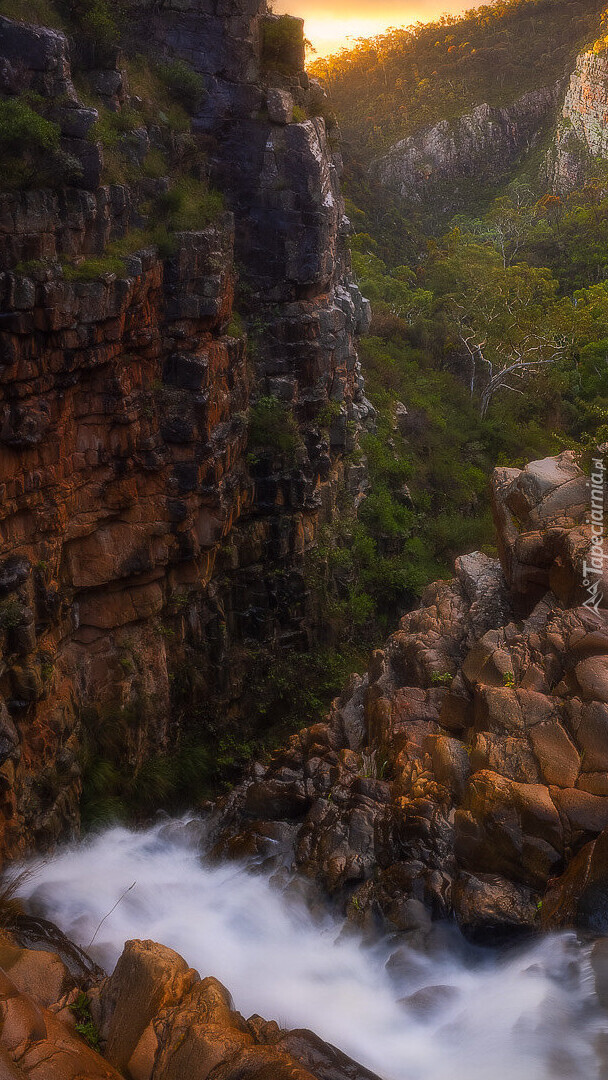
pixel 162 478
pixel 582 134
pixel 480 148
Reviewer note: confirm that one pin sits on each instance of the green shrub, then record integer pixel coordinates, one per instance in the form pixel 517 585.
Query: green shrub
pixel 85 1025
pixel 110 126
pixel 299 114
pixel 272 426
pixel 328 413
pixel 185 83
pixel 21 128
pixel 442 678
pixel 94 267
pixel 236 327
pixel 282 44
pixel 188 205
pixel 10 614
pixel 155 164
pixel 37 12
pixel 96 18
pixel 165 241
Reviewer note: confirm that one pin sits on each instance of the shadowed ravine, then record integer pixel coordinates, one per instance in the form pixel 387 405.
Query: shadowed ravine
pixel 529 1012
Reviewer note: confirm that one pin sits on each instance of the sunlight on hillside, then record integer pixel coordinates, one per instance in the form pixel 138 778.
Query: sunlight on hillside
pixel 330 27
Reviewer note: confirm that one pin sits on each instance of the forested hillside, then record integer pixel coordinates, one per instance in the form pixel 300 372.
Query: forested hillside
pixel 386 87
pixel 489 336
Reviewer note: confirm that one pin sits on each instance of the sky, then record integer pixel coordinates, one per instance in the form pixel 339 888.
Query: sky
pixel 329 23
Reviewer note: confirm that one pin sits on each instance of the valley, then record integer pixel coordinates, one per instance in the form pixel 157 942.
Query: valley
pixel 304 652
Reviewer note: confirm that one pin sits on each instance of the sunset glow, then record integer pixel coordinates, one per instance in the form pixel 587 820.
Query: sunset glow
pixel 330 27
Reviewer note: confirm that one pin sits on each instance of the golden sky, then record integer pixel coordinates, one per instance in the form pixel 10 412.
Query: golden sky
pixel 330 22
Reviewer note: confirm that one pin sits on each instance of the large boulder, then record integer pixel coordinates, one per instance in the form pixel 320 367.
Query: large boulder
pixel 544 536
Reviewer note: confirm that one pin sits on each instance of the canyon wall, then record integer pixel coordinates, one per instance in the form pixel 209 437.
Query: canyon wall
pixel 479 147
pixel 144 549
pixel 582 133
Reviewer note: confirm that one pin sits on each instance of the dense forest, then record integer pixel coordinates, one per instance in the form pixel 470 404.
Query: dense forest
pixel 386 87
pixel 489 338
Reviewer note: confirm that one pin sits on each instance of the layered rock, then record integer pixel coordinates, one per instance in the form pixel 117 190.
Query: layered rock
pixel 581 134
pixel 141 544
pixel 487 142
pixel 154 1016
pixel 468 767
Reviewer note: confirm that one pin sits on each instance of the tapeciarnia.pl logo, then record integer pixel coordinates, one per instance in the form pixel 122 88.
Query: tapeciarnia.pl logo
pixel 594 569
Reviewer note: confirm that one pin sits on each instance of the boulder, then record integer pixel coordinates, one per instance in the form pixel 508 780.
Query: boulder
pixel 488 906
pixel 579 897
pixel 147 978
pixel 280 106
pixel 40 975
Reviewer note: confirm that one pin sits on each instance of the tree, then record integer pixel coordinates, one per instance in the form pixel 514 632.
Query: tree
pixel 506 320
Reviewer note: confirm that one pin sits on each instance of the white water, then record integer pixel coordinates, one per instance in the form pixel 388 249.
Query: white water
pixel 529 1014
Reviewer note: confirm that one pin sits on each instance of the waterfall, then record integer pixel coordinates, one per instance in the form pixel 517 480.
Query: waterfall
pixel 452 1012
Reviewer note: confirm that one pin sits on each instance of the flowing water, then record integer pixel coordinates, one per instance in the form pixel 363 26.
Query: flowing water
pixel 529 1013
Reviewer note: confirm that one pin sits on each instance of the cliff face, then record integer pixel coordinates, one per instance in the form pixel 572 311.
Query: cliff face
pixel 134 521
pixel 487 142
pixel 467 770
pixel 582 133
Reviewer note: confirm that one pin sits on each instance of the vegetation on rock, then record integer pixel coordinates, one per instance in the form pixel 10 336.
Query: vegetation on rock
pixel 386 87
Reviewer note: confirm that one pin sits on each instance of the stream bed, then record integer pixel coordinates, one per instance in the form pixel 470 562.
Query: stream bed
pixel 453 1012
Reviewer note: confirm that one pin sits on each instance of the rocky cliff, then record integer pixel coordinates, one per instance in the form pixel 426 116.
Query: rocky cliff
pixel 581 134
pixel 479 147
pixel 144 546
pixel 467 770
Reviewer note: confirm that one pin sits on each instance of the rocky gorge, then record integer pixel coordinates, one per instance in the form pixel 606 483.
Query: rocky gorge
pixel 459 784
pixel 413 888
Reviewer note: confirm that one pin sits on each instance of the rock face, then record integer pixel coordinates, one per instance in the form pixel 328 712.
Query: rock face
pixel 582 132
pixel 467 769
pixel 154 1016
pixel 488 142
pixel 139 538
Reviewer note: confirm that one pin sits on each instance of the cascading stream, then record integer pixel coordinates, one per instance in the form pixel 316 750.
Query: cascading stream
pixel 529 1013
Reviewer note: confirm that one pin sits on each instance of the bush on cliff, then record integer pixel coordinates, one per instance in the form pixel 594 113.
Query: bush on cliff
pixel 282 44
pixel 98 19
pixel 189 204
pixel 21 127
pixel 184 82
pixel 37 12
pixel 272 427
pixel 29 146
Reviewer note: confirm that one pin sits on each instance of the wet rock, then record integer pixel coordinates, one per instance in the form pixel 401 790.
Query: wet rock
pixel 160 1018
pixel 428 1003
pixel 274 800
pixel 488 907
pixel 599 963
pixel 147 978
pixel 479 769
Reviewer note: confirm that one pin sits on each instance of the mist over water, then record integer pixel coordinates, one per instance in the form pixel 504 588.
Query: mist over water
pixel 529 1013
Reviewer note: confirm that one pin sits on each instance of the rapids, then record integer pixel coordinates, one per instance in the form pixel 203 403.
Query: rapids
pixel 528 1012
